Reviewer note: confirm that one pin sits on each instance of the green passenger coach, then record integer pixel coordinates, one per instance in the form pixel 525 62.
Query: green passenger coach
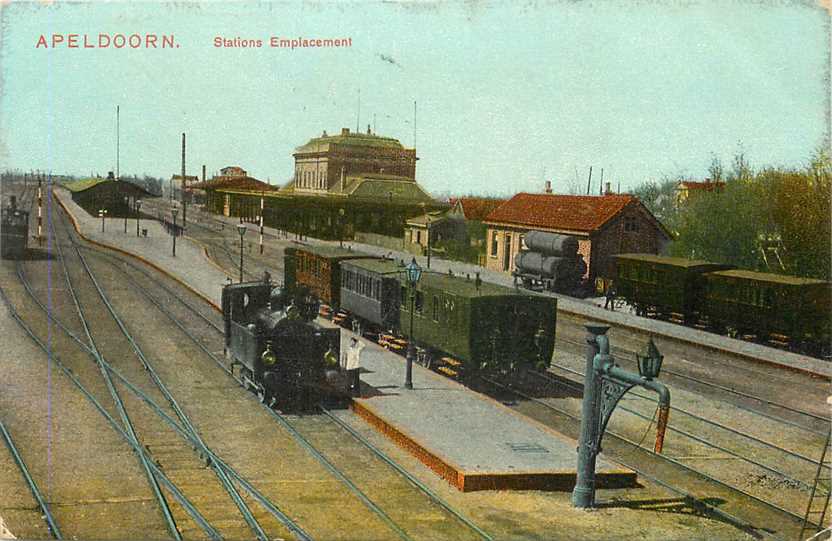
pixel 484 326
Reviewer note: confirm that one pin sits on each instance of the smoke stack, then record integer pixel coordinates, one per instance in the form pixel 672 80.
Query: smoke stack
pixel 607 189
pixel 548 188
pixel 203 172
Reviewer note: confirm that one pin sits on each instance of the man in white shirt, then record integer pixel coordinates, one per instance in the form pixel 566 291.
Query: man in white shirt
pixel 353 365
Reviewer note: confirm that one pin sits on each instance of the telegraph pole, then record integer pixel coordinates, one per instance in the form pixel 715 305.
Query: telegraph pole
pixel 184 184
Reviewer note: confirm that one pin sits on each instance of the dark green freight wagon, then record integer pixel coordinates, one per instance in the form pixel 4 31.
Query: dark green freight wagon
pixel 667 285
pixel 484 326
pixel 767 305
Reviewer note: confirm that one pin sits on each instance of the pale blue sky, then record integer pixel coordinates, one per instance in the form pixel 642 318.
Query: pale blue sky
pixel 642 89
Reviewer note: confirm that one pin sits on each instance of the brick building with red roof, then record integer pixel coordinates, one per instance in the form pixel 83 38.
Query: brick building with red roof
pixel 604 225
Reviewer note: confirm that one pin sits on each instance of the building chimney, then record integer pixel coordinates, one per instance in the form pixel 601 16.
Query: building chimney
pixel 548 188
pixel 607 188
pixel 345 131
pixel 368 130
pixel 203 172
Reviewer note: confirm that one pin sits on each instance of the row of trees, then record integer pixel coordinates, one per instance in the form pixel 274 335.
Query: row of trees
pixel 773 219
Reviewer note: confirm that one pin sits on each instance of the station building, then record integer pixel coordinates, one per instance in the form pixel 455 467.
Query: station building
pixel 343 185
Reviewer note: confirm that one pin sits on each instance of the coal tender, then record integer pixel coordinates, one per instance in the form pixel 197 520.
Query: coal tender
pixel 551 262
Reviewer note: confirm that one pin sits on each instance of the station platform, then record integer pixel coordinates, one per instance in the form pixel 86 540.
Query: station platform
pixel 472 441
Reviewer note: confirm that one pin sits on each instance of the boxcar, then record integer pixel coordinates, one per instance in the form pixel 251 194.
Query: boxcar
pixel 318 268
pixel 664 284
pixel 764 304
pixel 370 291
pixel 483 326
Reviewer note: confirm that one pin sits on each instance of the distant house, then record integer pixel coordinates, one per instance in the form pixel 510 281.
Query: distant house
pixel 687 188
pixel 231 179
pixel 461 224
pixel 441 226
pixel 604 225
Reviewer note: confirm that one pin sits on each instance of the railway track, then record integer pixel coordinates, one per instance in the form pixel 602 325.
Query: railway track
pixel 329 440
pixel 742 398
pixel 798 471
pixel 704 493
pixel 162 450
pixel 419 499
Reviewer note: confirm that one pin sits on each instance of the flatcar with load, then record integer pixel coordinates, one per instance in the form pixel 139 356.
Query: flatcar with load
pixel 14 231
pixel 550 262
pixel 285 357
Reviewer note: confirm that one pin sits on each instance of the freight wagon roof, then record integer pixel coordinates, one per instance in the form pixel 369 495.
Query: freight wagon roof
pixel 325 250
pixel 664 260
pixel 767 277
pixel 459 285
pixel 377 266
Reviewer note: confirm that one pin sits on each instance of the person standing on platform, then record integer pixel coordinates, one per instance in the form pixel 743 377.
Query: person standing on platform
pixel 353 366
pixel 609 303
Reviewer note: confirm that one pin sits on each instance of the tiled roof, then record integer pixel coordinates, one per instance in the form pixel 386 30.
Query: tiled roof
pixel 234 183
pixel 476 208
pixel 585 213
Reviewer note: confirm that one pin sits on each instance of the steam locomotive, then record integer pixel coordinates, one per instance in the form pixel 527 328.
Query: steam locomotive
pixel 285 357
pixel 14 231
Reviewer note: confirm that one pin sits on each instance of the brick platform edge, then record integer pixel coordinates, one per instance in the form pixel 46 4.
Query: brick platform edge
pixel 181 282
pixel 470 482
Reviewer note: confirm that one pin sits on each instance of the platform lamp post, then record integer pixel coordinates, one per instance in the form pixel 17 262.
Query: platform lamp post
pixel 174 211
pixel 138 207
pixel 604 385
pixel 102 213
pixel 126 208
pixel 241 229
pixel 341 227
pixel 413 273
